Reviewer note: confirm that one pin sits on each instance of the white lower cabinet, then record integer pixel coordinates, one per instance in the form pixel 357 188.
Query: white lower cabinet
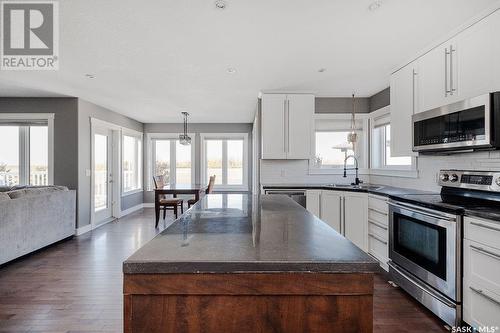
pixel 331 209
pixel 346 212
pixel 481 283
pixel 355 224
pixel 313 198
pixel 378 229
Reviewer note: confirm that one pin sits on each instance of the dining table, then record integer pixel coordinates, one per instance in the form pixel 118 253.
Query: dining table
pixel 175 190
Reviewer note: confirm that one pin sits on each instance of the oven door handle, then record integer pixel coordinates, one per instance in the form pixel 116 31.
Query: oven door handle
pixel 423 211
pixel 428 292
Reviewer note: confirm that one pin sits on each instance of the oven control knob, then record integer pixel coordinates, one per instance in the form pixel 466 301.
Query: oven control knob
pixel 497 181
pixel 444 177
pixel 454 178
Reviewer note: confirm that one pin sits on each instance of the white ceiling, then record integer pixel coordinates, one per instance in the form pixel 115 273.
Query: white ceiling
pixel 154 58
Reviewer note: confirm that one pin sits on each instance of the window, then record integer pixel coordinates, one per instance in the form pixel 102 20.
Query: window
pixel 381 150
pixel 331 149
pixel 172 160
pixel 26 149
pixel 131 163
pixel 9 156
pixel 225 156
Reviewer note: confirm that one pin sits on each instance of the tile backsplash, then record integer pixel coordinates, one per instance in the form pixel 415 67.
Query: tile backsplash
pixel 297 171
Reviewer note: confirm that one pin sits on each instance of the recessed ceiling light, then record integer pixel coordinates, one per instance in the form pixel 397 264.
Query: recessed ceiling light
pixel 322 70
pixel 374 6
pixel 90 76
pixel 231 70
pixel 220 4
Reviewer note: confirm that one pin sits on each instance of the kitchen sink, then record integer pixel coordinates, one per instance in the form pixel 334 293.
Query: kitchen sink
pixel 360 186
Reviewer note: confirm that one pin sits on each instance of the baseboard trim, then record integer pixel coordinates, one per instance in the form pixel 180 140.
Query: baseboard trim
pixel 90 227
pixel 131 210
pixel 83 230
pixel 148 205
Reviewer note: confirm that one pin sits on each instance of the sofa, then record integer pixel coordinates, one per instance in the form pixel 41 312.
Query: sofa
pixel 34 217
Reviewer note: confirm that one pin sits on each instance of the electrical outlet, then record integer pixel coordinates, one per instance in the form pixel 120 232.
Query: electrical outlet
pixel 283 173
pixel 88 172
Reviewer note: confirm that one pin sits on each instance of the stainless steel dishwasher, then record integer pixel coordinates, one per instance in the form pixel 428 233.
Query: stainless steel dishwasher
pixel 298 195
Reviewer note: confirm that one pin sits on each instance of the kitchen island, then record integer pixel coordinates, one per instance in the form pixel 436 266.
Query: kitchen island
pixel 238 263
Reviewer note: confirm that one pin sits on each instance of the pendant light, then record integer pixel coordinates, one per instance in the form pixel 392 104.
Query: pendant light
pixel 352 137
pixel 184 139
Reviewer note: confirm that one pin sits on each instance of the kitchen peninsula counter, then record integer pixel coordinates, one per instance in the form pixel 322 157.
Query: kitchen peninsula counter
pixel 238 263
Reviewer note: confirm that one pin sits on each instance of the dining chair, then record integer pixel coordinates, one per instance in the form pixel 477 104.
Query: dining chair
pixel 209 190
pixel 168 203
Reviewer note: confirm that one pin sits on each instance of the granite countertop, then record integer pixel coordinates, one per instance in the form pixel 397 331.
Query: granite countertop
pixel 236 233
pixel 427 199
pixel 383 190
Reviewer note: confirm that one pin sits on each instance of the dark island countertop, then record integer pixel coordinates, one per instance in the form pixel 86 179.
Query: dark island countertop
pixel 237 233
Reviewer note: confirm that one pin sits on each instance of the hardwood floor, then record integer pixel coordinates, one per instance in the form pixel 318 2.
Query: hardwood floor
pixel 76 286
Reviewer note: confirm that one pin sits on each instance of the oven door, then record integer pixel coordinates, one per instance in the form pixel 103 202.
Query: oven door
pixel 424 242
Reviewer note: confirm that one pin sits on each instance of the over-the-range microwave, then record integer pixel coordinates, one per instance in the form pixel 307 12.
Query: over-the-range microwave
pixel 471 124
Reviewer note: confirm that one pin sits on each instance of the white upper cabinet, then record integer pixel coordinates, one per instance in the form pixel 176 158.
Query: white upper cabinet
pixel 496 53
pixel 475 57
pixel 300 116
pixel 460 68
pixel 465 66
pixel 286 126
pixel 273 126
pixel 435 76
pixel 404 85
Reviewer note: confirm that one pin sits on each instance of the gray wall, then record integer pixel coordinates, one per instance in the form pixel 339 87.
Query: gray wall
pixel 197 129
pixel 87 110
pixel 380 100
pixel 65 132
pixel 340 105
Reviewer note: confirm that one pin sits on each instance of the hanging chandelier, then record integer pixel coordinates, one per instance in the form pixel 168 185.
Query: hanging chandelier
pixel 352 137
pixel 184 138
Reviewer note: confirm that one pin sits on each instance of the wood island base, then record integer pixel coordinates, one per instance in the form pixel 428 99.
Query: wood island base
pixel 248 302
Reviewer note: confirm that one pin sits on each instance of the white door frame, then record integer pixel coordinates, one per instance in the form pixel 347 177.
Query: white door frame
pixel 115 165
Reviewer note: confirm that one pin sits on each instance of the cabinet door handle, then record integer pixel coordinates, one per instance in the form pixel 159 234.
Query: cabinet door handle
pixel 446 91
pixel 484 226
pixel 481 292
pixel 380 225
pixel 343 213
pixel 288 126
pixel 378 238
pixel 284 126
pixel 413 90
pixel 451 70
pixel 378 211
pixel 488 253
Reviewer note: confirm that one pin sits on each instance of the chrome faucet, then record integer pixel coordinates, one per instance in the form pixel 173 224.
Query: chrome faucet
pixel 356 180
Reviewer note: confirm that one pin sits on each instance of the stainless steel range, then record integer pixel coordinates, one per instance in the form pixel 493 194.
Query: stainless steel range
pixel 425 238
